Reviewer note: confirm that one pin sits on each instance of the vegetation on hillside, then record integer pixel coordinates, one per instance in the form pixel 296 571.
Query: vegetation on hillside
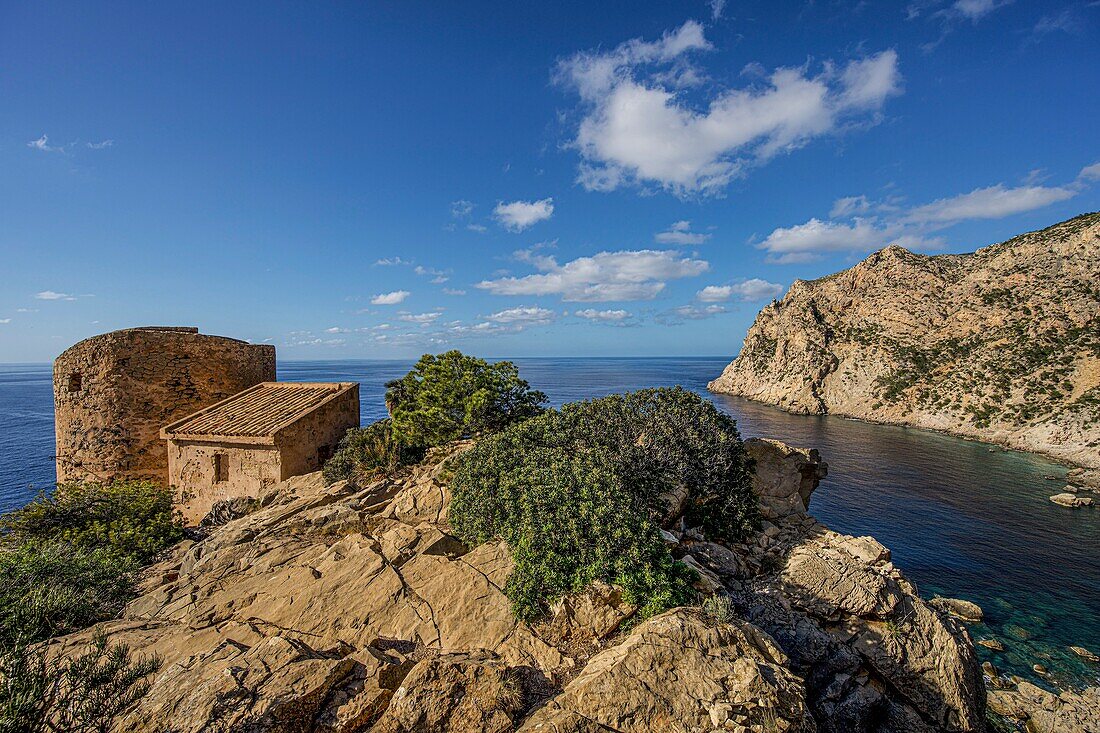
pixel 68 561
pixel 580 495
pixel 443 398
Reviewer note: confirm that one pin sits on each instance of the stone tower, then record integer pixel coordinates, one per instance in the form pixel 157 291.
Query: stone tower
pixel 114 392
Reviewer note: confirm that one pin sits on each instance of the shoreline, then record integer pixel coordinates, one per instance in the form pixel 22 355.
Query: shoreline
pixel 973 438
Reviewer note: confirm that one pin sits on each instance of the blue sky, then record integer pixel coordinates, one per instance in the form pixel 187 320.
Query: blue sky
pixel 617 178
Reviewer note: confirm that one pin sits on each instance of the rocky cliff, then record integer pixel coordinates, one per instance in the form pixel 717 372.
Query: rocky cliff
pixel 346 609
pixel 1002 344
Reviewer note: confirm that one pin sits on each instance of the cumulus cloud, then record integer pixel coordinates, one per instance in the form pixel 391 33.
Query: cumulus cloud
pixel 529 315
pixel 604 316
pixel 422 319
pixel 101 144
pixel 636 129
pixel 392 262
pixel 53 295
pixel 680 233
pixel 5 320
pixel 716 8
pixel 690 313
pixel 461 209
pixel 452 291
pixel 397 296
pixel 519 215
pixel 747 290
pixel 606 276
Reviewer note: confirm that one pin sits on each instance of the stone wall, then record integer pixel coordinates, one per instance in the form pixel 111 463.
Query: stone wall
pixel 310 441
pixel 114 392
pixel 252 469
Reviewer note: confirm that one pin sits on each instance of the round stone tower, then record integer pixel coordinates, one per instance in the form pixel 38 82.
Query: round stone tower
pixel 114 392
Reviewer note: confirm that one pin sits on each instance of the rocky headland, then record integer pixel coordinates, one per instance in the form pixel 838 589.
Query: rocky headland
pixel 1002 344
pixel 353 608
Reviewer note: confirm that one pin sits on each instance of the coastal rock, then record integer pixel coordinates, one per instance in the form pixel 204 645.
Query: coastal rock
pixel 1073 501
pixel 681 672
pixel 1040 711
pixel 992 644
pixel 910 339
pixel 785 477
pixel 1084 654
pixel 351 608
pixel 959 608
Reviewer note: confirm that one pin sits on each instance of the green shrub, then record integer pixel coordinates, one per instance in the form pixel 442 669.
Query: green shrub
pixel 369 451
pixel 51 588
pixel 578 495
pixel 452 396
pixel 135 518
pixel 40 694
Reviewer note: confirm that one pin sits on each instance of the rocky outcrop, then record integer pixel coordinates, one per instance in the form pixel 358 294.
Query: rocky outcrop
pixel 348 609
pixel 1002 344
pixel 1041 711
pixel 681 672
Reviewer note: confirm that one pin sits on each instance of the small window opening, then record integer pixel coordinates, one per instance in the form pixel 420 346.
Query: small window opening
pixel 323 454
pixel 75 382
pixel 221 468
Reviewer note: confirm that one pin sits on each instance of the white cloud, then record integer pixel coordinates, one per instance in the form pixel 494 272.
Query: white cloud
pixel 605 316
pixel 392 262
pixel 748 290
pixel 1090 172
pixel 52 295
pixel 42 144
pixel 975 10
pixel 680 233
pixel 994 202
pixel 635 130
pixel 850 205
pixel 479 228
pixel 606 276
pixel 461 209
pixel 26 310
pixel 101 145
pixel 889 223
pixel 690 313
pixel 527 315
pixel 716 8
pixel 397 296
pixel 452 291
pixel 519 215
pixel 423 319
pixel 5 320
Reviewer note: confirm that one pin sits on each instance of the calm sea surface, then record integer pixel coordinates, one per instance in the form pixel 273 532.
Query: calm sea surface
pixel 963 518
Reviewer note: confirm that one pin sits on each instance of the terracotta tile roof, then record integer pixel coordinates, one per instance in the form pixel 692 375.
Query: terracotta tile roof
pixel 257 412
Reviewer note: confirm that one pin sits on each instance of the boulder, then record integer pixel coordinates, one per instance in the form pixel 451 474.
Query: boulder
pixel 1073 501
pixel 959 608
pixel 455 693
pixel 784 477
pixel 1084 654
pixel 681 672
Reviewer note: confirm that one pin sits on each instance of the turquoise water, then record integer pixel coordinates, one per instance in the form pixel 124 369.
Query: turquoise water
pixel 962 518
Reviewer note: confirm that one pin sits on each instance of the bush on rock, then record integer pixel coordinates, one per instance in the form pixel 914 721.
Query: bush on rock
pixel 581 494
pixel 443 398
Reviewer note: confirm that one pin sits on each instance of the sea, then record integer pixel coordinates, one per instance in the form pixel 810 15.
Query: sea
pixel 962 518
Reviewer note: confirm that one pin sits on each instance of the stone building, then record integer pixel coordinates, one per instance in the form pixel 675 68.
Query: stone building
pixel 114 392
pixel 255 439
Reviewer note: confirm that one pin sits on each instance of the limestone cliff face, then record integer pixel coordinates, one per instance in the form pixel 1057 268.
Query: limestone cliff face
pixel 1002 344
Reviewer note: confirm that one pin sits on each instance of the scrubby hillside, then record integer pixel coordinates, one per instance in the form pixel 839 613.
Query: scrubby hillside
pixel 1001 344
